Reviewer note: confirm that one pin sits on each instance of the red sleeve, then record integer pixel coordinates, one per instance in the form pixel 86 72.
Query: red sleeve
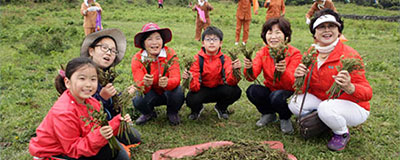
pixel 257 65
pixel 68 132
pixel 363 90
pixel 195 70
pixel 114 123
pixel 138 71
pixel 174 72
pixel 230 78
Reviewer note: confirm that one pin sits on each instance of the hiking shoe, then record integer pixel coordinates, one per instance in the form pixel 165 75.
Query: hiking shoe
pixel 145 117
pixel 195 115
pixel 338 142
pixel 174 119
pixel 265 119
pixel 222 114
pixel 286 126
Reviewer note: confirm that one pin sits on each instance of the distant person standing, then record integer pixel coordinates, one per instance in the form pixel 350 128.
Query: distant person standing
pixel 203 17
pixel 275 9
pixel 89 11
pixel 243 18
pixel 317 6
pixel 160 4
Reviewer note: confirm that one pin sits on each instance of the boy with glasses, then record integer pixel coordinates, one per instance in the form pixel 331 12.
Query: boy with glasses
pixel 211 77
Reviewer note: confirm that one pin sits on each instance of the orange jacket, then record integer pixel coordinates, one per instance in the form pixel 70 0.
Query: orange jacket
pixel 63 132
pixel 206 8
pixel 264 62
pixel 157 69
pixel 243 11
pixel 212 67
pixel 314 8
pixel 89 20
pixel 321 79
pixel 276 8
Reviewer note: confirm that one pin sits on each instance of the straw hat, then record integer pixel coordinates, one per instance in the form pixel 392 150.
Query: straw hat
pixel 116 34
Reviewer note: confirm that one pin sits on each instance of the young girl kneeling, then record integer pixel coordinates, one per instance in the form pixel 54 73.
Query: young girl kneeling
pixel 63 133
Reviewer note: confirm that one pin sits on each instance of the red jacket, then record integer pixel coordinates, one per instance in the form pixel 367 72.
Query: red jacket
pixel 321 79
pixel 211 76
pixel 264 62
pixel 63 132
pixel 157 69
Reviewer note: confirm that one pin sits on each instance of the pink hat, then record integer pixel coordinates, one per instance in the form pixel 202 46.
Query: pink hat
pixel 150 27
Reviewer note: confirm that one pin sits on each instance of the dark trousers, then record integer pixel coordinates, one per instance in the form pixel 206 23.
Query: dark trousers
pixel 268 102
pixel 173 99
pixel 105 152
pixel 224 95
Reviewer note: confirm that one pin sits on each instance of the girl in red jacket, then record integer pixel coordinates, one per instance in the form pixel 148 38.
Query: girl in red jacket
pixel 271 98
pixel 352 107
pixel 148 68
pixel 63 133
pixel 211 75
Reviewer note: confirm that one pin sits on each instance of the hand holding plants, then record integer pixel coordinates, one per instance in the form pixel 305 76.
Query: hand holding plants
pixel 187 75
pixel 301 71
pixel 108 91
pixel 163 82
pixel 106 132
pixel 343 79
pixel 236 64
pixel 247 63
pixel 148 80
pixel 281 66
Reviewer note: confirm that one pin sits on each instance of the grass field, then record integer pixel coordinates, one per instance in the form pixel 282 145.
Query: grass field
pixel 36 38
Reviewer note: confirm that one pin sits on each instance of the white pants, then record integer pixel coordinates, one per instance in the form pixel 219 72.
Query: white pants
pixel 337 114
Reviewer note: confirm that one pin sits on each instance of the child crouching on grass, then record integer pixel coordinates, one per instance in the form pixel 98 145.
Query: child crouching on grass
pixel 107 48
pixel 63 134
pixel 211 77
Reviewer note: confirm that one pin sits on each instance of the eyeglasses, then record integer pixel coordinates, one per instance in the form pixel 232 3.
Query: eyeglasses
pixel 330 26
pixel 105 49
pixel 211 39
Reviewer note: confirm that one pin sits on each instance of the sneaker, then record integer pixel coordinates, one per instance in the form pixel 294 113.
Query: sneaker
pixel 174 119
pixel 195 115
pixel 236 43
pixel 338 142
pixel 265 119
pixel 222 114
pixel 286 126
pixel 145 117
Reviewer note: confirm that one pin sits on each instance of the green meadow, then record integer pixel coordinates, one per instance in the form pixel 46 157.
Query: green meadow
pixel 35 38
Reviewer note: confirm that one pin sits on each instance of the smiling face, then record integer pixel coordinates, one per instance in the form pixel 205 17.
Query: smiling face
pixel 153 44
pixel 83 83
pixel 326 33
pixel 103 54
pixel 274 36
pixel 212 44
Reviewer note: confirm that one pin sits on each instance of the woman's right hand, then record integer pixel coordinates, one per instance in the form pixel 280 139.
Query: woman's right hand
pixel 148 80
pixel 301 70
pixel 187 74
pixel 247 63
pixel 106 132
pixel 108 91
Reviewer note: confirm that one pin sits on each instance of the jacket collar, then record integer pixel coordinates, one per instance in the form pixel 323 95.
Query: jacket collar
pixel 203 53
pixel 336 53
pixel 163 54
